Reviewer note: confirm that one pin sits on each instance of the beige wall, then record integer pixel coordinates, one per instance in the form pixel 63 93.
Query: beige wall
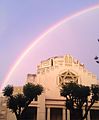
pixel 48 74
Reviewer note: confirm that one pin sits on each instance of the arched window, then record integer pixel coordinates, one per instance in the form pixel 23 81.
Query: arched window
pixel 51 62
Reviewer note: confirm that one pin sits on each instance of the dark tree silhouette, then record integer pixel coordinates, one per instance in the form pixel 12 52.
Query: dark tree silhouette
pixel 19 103
pixel 77 97
pixel 96 57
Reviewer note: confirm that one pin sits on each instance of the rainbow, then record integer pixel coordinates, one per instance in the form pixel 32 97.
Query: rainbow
pixel 37 40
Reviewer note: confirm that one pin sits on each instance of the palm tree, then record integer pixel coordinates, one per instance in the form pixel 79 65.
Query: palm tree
pixel 19 103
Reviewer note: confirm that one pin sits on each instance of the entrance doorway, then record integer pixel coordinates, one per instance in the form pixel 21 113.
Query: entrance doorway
pixel 56 114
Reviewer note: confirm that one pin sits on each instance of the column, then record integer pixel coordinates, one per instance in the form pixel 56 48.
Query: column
pixel 38 112
pixel 64 114
pixel 88 116
pixel 84 113
pixel 41 107
pixel 48 113
pixel 68 114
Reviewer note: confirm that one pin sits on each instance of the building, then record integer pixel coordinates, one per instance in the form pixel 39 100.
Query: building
pixel 51 73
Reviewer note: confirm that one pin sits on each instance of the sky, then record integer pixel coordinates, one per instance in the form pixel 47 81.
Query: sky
pixel 21 22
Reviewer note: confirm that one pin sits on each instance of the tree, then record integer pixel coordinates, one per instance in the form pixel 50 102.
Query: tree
pixel 77 97
pixel 20 102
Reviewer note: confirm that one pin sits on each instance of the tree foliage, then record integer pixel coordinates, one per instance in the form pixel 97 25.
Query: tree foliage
pixel 8 91
pixel 77 96
pixel 19 102
pixel 97 57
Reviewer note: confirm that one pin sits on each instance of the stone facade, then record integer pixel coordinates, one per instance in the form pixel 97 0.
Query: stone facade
pixel 51 73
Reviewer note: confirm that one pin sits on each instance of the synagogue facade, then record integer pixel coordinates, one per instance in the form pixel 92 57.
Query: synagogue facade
pixel 51 74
